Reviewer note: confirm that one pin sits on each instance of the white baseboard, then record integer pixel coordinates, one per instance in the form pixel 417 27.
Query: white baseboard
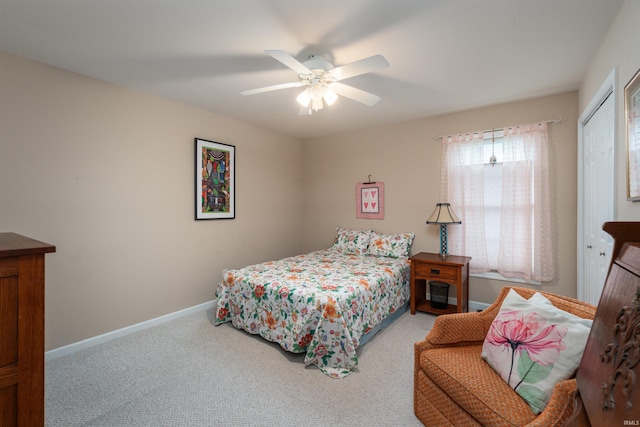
pixel 90 342
pixel 477 306
pixel 473 305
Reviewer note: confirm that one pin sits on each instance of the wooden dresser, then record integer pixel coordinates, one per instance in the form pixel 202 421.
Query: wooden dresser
pixel 22 330
pixel 609 374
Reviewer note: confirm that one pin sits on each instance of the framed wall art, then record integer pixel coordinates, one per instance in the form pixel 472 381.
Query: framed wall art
pixel 632 115
pixel 215 173
pixel 370 200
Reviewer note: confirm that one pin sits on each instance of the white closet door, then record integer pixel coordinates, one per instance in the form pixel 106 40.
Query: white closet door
pixel 598 199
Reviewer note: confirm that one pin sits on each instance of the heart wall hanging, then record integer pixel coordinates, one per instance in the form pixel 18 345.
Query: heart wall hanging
pixel 370 200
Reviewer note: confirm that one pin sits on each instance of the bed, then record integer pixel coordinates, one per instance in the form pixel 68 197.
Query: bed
pixel 326 303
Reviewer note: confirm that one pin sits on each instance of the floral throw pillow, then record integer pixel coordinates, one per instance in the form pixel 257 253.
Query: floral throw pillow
pixel 351 241
pixel 533 345
pixel 394 245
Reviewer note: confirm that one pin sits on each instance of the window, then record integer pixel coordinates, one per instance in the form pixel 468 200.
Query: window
pixel 492 203
pixel 504 207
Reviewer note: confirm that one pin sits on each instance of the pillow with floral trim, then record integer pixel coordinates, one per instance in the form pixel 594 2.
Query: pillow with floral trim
pixel 533 346
pixel 393 245
pixel 351 241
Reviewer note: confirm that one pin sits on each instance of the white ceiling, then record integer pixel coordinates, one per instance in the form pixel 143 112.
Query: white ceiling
pixel 444 55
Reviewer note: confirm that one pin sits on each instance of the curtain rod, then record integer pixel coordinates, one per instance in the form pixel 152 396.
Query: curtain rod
pixel 551 121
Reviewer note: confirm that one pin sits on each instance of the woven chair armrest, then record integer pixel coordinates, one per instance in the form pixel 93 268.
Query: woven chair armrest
pixel 560 406
pixel 459 328
pixel 470 328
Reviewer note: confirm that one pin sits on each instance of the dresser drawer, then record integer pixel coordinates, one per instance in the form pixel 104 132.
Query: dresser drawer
pixel 431 271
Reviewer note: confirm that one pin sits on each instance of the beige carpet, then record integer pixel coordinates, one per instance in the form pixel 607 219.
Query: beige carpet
pixel 188 372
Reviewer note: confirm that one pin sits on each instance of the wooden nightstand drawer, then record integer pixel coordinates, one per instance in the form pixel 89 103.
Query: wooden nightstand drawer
pixel 431 271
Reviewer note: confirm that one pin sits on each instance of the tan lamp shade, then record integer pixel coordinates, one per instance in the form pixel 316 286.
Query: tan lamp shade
pixel 443 214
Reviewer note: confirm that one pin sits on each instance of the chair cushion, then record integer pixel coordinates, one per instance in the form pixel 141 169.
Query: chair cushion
pixel 477 388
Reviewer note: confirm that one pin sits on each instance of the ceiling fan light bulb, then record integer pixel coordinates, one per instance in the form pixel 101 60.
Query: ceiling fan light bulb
pixel 316 93
pixel 317 104
pixel 329 96
pixel 304 98
pixel 316 99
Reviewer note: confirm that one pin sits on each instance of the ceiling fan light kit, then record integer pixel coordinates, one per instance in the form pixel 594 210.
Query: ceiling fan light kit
pixel 315 96
pixel 321 79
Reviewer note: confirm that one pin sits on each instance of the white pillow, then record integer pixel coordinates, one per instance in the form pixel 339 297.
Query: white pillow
pixel 533 346
pixel 540 299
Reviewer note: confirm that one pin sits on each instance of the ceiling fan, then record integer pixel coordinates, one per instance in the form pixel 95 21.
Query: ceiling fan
pixel 323 80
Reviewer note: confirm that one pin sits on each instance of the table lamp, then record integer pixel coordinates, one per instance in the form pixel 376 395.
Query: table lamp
pixel 443 215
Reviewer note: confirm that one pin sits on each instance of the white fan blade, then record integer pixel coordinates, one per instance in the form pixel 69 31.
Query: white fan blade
pixel 363 66
pixel 270 88
pixel 288 60
pixel 355 94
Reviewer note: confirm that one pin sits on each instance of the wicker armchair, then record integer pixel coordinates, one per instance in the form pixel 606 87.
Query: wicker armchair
pixel 453 386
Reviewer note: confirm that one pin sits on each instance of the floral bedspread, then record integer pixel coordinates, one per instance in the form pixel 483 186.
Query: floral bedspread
pixel 320 303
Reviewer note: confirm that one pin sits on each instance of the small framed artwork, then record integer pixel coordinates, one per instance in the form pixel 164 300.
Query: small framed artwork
pixel 215 180
pixel 370 200
pixel 632 115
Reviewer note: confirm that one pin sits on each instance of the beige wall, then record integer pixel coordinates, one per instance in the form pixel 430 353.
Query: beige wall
pixel 408 160
pixel 619 51
pixel 107 175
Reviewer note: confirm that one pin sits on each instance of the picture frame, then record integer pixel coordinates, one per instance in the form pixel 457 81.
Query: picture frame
pixel 215 180
pixel 632 117
pixel 370 200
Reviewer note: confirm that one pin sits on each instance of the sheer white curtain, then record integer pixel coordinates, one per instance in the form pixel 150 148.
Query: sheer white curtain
pixel 463 187
pixel 525 245
pixel 526 249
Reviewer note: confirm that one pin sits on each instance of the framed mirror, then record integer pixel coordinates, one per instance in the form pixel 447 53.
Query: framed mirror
pixel 632 115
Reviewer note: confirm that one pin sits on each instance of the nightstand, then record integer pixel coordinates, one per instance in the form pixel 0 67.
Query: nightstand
pixel 453 270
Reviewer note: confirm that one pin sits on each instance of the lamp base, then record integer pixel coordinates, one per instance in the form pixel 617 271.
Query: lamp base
pixel 443 241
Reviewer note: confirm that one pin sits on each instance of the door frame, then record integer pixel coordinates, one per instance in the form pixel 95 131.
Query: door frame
pixel 608 88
